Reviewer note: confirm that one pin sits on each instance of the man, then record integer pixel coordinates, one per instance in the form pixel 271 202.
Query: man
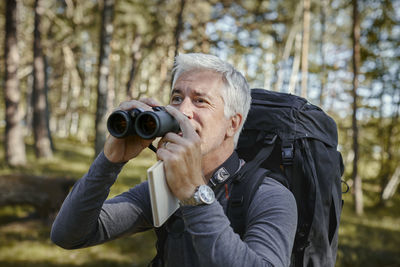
pixel 210 100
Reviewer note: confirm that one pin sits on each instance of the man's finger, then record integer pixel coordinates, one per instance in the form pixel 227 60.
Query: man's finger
pixel 186 127
pixel 150 101
pixel 128 105
pixel 171 138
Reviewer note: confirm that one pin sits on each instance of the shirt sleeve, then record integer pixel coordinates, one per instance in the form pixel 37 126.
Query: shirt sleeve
pixel 270 229
pixel 86 218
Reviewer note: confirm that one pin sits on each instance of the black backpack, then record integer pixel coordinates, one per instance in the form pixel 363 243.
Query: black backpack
pixel 290 140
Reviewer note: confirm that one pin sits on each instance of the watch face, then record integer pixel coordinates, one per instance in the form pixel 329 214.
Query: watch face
pixel 206 194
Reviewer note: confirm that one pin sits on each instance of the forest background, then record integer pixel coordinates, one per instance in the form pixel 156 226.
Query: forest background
pixel 65 64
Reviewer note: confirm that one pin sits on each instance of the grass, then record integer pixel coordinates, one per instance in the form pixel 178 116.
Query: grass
pixel 369 240
pixel 372 239
pixel 25 241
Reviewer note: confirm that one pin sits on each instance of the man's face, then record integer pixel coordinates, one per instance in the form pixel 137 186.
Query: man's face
pixel 197 94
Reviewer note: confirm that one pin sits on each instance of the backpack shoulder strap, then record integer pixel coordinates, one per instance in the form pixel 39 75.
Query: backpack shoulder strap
pixel 242 193
pixel 161 233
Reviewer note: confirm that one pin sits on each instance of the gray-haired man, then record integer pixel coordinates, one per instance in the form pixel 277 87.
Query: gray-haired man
pixel 210 100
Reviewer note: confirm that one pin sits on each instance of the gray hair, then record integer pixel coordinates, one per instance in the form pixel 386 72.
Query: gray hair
pixel 235 93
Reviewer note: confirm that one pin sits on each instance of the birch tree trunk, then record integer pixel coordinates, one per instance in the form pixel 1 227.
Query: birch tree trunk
pixel 285 57
pixel 324 8
pixel 73 89
pixel 14 137
pixel 306 42
pixel 103 74
pixel 295 66
pixel 389 151
pixel 288 47
pixel 358 194
pixel 39 96
pixel 392 185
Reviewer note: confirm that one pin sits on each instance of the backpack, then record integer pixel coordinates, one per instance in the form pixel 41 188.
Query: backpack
pixel 288 139
pixel 294 142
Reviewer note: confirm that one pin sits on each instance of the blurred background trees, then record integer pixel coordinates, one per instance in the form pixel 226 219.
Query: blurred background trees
pixel 68 63
pixel 14 138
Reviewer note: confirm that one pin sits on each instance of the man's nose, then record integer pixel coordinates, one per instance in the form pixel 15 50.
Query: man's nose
pixel 186 107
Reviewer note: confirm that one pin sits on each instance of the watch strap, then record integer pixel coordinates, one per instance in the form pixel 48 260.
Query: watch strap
pixel 191 201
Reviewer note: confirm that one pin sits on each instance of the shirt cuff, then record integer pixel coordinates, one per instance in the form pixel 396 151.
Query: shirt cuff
pixel 196 212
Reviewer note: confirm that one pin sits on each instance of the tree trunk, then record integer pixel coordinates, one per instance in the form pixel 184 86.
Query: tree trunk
pixel 295 66
pixel 165 79
pixel 39 95
pixel 46 194
pixel 324 8
pixel 358 195
pixel 388 162
pixel 14 137
pixel 136 57
pixel 268 73
pixel 392 185
pixel 288 47
pixel 306 42
pixel 73 89
pixel 103 73
pixel 285 57
pixel 179 26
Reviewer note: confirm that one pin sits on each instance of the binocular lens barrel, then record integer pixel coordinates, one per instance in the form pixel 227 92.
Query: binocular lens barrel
pixel 119 123
pixel 148 124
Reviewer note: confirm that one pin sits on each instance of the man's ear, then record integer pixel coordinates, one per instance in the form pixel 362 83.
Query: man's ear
pixel 235 122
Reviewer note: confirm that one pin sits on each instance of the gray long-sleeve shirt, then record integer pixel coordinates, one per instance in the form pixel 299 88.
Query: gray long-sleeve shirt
pixel 87 218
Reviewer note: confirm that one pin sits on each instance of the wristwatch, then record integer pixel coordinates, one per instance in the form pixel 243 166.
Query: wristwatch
pixel 203 195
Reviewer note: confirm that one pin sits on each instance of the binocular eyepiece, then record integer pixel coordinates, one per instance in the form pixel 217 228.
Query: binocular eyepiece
pixel 146 124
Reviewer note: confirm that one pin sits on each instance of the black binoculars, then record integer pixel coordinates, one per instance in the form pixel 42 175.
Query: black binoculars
pixel 146 124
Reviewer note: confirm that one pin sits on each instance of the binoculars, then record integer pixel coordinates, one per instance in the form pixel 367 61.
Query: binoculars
pixel 146 124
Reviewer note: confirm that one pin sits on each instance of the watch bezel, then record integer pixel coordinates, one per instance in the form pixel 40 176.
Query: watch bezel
pixel 205 194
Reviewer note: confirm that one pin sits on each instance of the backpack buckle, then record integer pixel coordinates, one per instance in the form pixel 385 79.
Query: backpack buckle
pixel 287 153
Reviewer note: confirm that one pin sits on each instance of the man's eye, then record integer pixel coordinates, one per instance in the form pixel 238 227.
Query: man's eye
pixel 200 100
pixel 176 100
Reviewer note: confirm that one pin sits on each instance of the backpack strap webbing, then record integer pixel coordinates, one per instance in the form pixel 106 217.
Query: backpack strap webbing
pixel 241 195
pixel 158 260
pixel 266 150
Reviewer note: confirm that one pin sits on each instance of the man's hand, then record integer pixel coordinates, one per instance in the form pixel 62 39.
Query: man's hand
pixel 182 157
pixel 123 149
